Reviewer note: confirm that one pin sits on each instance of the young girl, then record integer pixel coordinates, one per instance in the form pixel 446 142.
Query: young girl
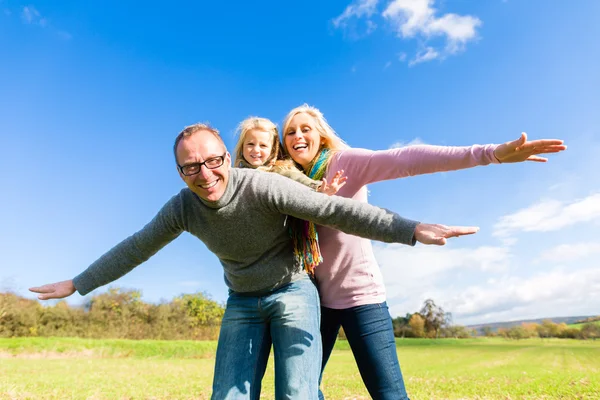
pixel 258 147
pixel 349 281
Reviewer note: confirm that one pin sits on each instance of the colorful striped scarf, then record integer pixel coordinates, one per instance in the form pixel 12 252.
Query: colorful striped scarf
pixel 304 233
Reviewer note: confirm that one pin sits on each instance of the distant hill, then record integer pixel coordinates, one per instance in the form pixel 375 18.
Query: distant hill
pixel 509 324
pixel 580 325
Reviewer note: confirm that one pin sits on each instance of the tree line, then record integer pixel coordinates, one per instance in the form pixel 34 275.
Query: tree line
pixel 116 313
pixel 122 314
pixel 431 321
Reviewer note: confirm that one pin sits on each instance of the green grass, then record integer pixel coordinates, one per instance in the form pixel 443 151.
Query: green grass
pixel 579 326
pixel 56 368
pixel 114 348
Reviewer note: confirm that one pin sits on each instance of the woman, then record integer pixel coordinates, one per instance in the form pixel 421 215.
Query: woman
pixel 349 280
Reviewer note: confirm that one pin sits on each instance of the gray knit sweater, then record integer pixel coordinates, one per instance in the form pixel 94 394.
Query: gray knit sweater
pixel 246 230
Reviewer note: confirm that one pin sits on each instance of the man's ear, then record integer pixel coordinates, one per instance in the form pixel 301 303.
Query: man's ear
pixel 182 176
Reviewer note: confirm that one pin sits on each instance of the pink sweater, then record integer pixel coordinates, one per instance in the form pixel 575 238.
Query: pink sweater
pixel 349 275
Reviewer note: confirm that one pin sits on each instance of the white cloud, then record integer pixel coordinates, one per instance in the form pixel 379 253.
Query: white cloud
pixel 412 18
pixel 427 263
pixel 424 55
pixel 414 142
pixel 354 12
pixel 478 285
pixel 429 260
pixel 402 57
pixel 549 215
pixel 32 16
pixel 417 17
pixel 413 274
pixel 487 283
pixel 508 241
pixel 570 252
pixel 547 294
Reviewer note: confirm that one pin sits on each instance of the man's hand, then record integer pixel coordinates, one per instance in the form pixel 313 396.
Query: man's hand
pixel 56 290
pixel 437 234
pixel 522 150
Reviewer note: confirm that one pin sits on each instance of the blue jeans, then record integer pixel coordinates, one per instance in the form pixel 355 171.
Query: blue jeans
pixel 370 334
pixel 288 318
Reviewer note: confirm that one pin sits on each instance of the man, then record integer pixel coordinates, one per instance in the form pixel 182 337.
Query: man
pixel 240 215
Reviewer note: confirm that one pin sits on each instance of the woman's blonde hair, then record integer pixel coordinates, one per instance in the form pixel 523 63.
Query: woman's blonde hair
pixel 276 158
pixel 330 139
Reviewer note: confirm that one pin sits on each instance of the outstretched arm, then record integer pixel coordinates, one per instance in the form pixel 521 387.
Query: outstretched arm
pixel 122 258
pixel 354 217
pixel 366 166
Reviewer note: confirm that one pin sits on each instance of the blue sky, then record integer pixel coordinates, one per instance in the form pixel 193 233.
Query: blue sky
pixel 94 94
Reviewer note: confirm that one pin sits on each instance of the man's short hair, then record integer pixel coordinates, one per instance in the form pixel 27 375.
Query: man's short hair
pixel 190 130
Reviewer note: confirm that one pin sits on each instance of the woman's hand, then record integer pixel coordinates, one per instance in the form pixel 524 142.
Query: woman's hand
pixel 522 150
pixel 336 184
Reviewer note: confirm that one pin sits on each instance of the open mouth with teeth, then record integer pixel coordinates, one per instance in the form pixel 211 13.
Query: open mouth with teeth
pixel 300 146
pixel 209 185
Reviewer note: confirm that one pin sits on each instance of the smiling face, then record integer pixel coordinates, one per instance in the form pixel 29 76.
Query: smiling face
pixel 208 184
pixel 257 147
pixel 302 141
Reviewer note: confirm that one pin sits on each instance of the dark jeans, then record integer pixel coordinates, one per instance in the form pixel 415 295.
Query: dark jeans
pixel 371 337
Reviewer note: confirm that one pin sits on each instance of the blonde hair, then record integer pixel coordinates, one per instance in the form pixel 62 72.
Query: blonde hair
pixel 329 138
pixel 276 158
pixel 190 130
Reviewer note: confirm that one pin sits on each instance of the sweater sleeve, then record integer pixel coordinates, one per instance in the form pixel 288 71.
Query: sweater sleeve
pixel 367 166
pixel 133 251
pixel 347 215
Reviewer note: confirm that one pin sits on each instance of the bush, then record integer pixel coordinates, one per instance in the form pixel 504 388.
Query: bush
pixel 118 314
pixel 590 331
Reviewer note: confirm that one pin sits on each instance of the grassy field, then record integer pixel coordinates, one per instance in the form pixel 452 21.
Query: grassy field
pixel 35 368
pixel 579 326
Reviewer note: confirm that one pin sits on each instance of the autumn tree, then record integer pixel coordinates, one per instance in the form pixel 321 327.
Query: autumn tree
pixel 401 326
pixel 488 331
pixel 590 331
pixel 417 325
pixel 531 328
pixel 435 317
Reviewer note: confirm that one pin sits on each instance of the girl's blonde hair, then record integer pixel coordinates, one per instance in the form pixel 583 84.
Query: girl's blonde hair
pixel 276 158
pixel 329 138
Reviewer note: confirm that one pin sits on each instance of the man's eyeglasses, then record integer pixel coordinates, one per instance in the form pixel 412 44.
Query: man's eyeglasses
pixel 194 168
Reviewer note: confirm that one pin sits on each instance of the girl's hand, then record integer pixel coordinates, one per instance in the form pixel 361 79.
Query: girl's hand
pixel 522 150
pixel 336 184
